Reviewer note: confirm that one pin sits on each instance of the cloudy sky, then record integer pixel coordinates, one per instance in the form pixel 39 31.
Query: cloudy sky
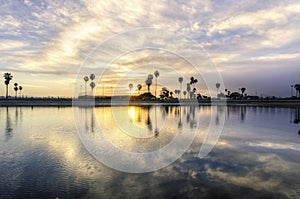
pixel 254 44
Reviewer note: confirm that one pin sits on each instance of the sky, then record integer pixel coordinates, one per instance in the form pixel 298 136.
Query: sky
pixel 250 43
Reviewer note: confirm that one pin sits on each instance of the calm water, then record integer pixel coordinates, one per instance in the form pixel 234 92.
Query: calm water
pixel 256 156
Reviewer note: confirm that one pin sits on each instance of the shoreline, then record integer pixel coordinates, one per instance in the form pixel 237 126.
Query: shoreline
pixel 105 103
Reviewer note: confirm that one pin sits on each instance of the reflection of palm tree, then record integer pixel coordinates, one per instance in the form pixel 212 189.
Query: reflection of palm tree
pixel 148 121
pixel 297 116
pixel 86 122
pixel 156 131
pixel 180 79
pixel 92 121
pixel 86 79
pixel 8 128
pixel 7 77
pixel 180 121
pixel 156 74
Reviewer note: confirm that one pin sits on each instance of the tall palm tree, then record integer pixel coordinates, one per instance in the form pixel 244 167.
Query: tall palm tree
pixel 130 87
pixel 16 89
pixel 180 79
pixel 7 77
pixel 218 86
pixel 149 81
pixel 20 89
pixel 139 87
pixel 86 79
pixel 156 74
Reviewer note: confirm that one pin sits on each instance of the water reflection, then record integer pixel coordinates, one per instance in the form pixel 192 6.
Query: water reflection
pixel 257 155
pixel 295 117
pixel 239 111
pixel 8 126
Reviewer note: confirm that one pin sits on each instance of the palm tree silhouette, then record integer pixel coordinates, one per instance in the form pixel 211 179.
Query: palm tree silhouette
pixel 130 87
pixel 184 93
pixel 193 82
pixel 92 77
pixel 92 85
pixel 16 89
pixel 297 88
pixel 188 88
pixel 86 79
pixel 20 89
pixel 149 81
pixel 7 77
pixel 180 79
pixel 156 74
pixel 243 90
pixel 218 86
pixel 139 87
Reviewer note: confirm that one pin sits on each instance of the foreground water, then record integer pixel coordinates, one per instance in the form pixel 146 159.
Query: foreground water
pixel 256 156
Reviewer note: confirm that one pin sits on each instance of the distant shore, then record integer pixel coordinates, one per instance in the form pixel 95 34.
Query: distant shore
pixel 98 103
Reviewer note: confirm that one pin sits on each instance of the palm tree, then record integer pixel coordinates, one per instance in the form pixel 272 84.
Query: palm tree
pixel 188 87
pixel 16 89
pixel 156 74
pixel 20 89
pixel 180 79
pixel 86 79
pixel 130 87
pixel 92 85
pixel 139 87
pixel 184 93
pixel 297 88
pixel 218 86
pixel 149 81
pixel 7 77
pixel 292 90
pixel 192 80
pixel 243 90
pixel 92 76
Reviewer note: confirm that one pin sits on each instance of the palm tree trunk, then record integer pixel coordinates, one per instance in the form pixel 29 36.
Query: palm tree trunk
pixel 7 91
pixel 180 90
pixel 155 87
pixel 85 89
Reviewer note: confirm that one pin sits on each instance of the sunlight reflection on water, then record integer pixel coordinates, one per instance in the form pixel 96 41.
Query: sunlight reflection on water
pixel 257 155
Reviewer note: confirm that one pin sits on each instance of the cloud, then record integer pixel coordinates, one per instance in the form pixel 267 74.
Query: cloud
pixel 55 37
